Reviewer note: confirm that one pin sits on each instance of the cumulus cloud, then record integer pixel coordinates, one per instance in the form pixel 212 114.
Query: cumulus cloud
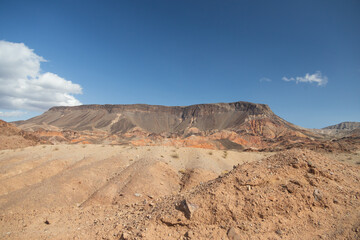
pixel 265 79
pixel 317 77
pixel 25 87
pixel 12 114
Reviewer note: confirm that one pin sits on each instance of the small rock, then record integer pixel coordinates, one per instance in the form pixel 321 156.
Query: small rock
pixel 233 234
pixel 137 195
pixel 187 208
pixel 310 164
pixel 295 165
pixel 189 234
pixel 317 195
pixel 278 232
pixel 335 201
pixel 312 170
pixel 124 236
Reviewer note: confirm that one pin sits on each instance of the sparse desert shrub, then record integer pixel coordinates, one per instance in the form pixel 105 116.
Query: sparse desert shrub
pixel 56 149
pixel 210 153
pixel 162 156
pixel 182 171
pixel 225 154
pixel 84 146
pixel 43 146
pixel 175 155
pixel 130 160
pixel 148 149
pixel 358 162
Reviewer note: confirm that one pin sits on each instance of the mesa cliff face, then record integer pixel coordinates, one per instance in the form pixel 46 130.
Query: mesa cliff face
pixel 236 125
pixel 152 118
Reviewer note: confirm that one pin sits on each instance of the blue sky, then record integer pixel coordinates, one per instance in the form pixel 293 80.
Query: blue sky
pixel 183 53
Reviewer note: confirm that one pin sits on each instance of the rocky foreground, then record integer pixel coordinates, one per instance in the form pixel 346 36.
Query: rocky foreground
pixel 296 194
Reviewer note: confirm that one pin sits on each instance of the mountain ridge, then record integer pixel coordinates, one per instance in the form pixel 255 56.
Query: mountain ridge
pixel 344 126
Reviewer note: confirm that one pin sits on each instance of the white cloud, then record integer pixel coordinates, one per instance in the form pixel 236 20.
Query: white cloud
pixel 25 87
pixel 265 79
pixel 317 77
pixel 12 114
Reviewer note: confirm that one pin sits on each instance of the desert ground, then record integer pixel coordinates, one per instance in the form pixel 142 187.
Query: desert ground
pixel 46 179
pixel 155 192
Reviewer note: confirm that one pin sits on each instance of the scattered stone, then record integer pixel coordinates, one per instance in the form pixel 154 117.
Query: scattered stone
pixel 137 195
pixel 47 222
pixel 189 234
pixel 310 164
pixel 317 195
pixel 125 236
pixel 233 234
pixel 187 208
pixel 313 171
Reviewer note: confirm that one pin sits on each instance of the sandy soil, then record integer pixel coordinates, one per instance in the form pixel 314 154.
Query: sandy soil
pixel 112 192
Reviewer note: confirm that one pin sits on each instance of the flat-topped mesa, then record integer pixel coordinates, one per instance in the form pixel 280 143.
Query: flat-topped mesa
pixel 186 111
pixel 182 121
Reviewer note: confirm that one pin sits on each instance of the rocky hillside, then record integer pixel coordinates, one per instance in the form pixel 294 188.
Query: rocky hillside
pixel 153 118
pixel 220 126
pixel 296 194
pixel 345 126
pixel 13 137
pixel 291 195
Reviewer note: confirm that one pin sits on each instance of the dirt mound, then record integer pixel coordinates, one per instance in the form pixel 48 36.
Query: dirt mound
pixel 145 179
pixel 194 177
pixel 291 195
pixel 12 137
pixel 44 177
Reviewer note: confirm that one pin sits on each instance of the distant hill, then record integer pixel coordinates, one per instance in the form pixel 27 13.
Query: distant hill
pixel 154 119
pixel 236 125
pixel 345 126
pixel 13 137
pixel 202 125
